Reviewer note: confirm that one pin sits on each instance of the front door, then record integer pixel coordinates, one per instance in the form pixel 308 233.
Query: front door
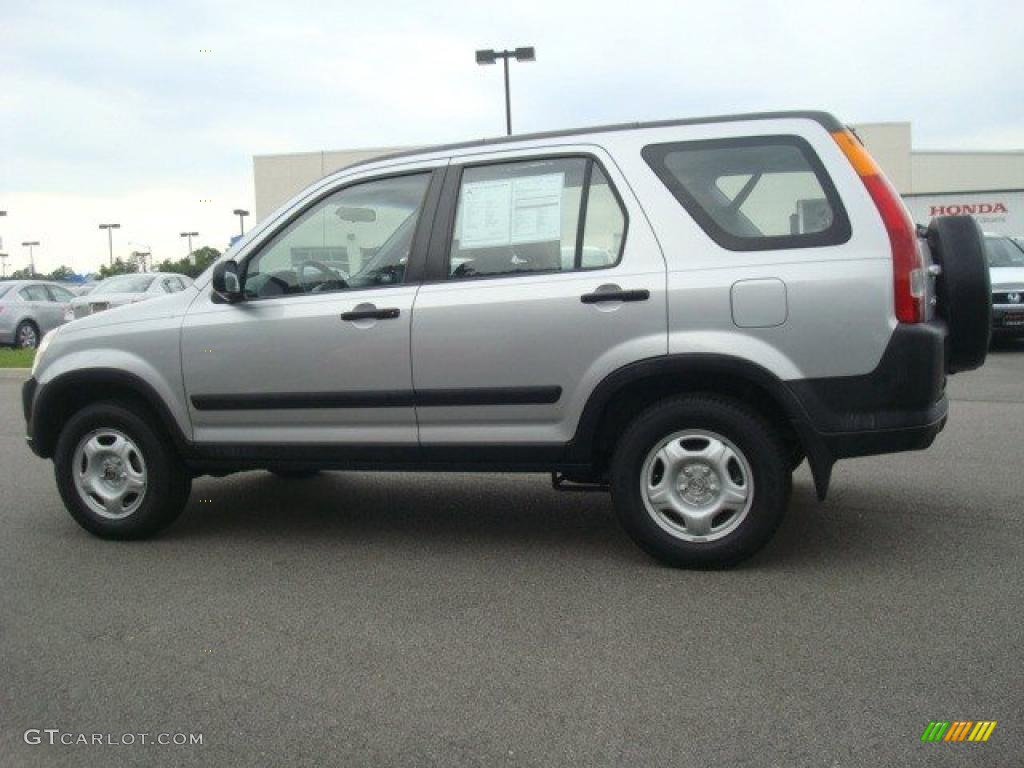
pixel 318 351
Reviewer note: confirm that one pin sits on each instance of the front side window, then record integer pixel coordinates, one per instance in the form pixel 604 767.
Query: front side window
pixel 535 216
pixel 358 237
pixel 754 193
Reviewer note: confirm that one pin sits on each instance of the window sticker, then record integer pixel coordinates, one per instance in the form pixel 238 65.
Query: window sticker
pixel 500 212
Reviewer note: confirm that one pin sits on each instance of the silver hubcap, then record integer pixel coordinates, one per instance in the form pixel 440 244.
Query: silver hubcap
pixel 27 336
pixel 110 473
pixel 697 486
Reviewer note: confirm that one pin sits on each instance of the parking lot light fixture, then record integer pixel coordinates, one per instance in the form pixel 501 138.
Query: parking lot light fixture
pixel 30 244
pixel 524 54
pixel 241 213
pixel 110 238
pixel 190 235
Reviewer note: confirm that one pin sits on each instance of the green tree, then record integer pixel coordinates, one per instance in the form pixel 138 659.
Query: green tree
pixel 61 273
pixel 21 274
pixel 204 257
pixel 119 267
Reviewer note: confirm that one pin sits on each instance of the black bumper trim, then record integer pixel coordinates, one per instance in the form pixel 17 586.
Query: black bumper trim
pixel 28 396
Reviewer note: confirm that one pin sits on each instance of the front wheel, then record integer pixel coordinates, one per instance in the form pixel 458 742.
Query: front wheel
pixel 700 481
pixel 119 478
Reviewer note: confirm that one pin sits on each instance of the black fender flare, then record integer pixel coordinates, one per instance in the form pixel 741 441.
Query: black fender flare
pixel 704 366
pixel 45 415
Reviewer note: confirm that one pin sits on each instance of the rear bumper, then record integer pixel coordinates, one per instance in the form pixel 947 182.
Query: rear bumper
pixel 899 406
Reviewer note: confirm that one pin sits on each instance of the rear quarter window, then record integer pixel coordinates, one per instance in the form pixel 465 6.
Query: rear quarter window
pixel 753 193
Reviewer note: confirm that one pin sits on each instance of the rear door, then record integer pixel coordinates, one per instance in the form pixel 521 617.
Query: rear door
pixel 41 308
pixel 543 277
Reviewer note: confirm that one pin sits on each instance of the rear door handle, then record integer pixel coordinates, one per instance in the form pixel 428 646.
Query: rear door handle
pixel 371 314
pixel 639 294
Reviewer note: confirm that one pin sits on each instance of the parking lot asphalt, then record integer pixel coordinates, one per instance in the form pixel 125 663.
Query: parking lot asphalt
pixel 411 619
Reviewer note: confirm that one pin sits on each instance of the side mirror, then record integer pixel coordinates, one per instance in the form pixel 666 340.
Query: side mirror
pixel 357 215
pixel 226 283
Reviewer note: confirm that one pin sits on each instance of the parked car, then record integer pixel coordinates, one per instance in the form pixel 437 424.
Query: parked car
pixel 31 308
pixel 128 289
pixel 84 289
pixel 1006 267
pixel 745 292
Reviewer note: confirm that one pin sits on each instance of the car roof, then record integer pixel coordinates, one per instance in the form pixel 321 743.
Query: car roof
pixel 828 121
pixel 21 283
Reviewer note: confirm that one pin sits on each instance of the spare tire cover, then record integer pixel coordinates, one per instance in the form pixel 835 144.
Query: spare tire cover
pixel 964 289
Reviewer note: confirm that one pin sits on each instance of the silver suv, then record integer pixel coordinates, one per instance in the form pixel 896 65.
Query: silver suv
pixel 678 312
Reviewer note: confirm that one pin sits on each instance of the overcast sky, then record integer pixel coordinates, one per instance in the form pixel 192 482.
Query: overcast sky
pixel 111 112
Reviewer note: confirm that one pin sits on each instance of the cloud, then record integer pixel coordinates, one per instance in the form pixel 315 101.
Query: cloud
pixel 115 110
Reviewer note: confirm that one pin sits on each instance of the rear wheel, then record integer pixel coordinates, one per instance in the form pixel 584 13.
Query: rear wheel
pixel 27 335
pixel 700 481
pixel 117 475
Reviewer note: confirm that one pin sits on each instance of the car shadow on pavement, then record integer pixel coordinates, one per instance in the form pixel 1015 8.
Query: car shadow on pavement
pixel 1006 345
pixel 403 508
pixel 490 513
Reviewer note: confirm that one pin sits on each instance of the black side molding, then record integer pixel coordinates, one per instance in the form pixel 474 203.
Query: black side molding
pixel 398 398
pixel 283 401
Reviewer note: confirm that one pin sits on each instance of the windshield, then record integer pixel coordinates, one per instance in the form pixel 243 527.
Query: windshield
pixel 1003 252
pixel 124 284
pixel 4 289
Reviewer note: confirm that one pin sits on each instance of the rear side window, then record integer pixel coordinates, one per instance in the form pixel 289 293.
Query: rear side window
pixel 755 193
pixel 34 293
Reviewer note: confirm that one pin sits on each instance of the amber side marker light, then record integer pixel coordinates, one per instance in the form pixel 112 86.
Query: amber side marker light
pixel 907 264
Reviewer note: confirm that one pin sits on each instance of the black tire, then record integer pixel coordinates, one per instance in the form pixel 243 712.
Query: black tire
pixel 964 289
pixel 168 482
pixel 768 458
pixel 295 474
pixel 19 330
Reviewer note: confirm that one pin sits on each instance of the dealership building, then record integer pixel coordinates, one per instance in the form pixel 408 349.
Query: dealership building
pixel 988 184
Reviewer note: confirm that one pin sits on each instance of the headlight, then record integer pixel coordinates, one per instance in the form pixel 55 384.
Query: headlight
pixel 41 349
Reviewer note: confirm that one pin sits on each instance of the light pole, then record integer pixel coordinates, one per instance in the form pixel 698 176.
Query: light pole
pixel 190 235
pixel 110 238
pixel 3 264
pixel 2 213
pixel 143 259
pixel 31 256
pixel 241 213
pixel 147 253
pixel 519 54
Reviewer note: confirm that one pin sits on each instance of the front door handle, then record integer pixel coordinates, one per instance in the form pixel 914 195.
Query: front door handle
pixel 640 294
pixel 371 314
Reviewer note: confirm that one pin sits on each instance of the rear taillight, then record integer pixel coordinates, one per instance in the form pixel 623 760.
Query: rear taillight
pixel 907 264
